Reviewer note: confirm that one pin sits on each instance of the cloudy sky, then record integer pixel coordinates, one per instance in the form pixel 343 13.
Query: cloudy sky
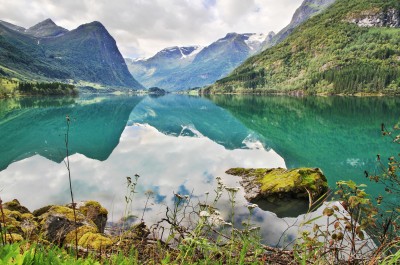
pixel 143 27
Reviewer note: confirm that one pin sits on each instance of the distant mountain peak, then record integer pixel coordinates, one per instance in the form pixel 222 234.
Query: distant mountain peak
pixel 48 21
pixel 46 28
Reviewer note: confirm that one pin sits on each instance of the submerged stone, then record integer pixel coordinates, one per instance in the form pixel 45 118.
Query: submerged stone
pixel 279 183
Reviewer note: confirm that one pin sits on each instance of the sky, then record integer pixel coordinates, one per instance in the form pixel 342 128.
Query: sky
pixel 144 27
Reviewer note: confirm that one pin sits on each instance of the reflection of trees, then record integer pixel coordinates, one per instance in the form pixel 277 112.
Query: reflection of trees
pixel 338 134
pixel 32 126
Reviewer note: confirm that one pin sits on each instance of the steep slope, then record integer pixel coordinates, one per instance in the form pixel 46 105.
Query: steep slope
pixel 307 9
pixel 179 68
pixel 352 47
pixel 88 54
pixel 21 57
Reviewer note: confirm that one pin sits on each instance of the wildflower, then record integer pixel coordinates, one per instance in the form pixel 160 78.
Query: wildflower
pixel 231 189
pixel 252 206
pixel 204 214
pixel 216 220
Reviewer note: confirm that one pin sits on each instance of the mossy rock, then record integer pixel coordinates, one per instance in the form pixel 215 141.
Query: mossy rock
pixel 95 212
pixel 42 210
pixel 12 238
pixel 14 205
pixel 95 241
pixel 59 221
pixel 12 221
pixel 280 183
pixel 70 237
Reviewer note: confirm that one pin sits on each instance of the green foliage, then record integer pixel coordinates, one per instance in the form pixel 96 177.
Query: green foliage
pixel 20 254
pixel 46 89
pixel 326 54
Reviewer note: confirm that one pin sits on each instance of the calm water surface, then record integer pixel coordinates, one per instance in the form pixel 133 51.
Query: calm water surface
pixel 180 144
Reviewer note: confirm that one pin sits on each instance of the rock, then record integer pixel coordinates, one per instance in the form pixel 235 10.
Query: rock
pixel 137 231
pixel 376 18
pixel 278 183
pixel 18 220
pixel 95 212
pixel 12 238
pixel 58 222
pixel 42 210
pixel 94 241
pixel 14 205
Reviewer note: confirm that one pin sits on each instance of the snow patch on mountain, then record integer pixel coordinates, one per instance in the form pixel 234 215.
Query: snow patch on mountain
pixel 192 54
pixel 255 40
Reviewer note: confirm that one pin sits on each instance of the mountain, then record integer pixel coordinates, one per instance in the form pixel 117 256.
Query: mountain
pixel 87 55
pixel 46 28
pixel 307 9
pixel 354 46
pixel 179 68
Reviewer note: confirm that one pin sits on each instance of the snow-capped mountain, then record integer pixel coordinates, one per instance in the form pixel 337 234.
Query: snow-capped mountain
pixel 178 68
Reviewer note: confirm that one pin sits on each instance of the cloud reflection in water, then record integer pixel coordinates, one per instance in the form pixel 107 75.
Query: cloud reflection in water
pixel 165 163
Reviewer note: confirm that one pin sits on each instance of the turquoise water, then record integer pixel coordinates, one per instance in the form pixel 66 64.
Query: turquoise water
pixel 340 135
pixel 179 143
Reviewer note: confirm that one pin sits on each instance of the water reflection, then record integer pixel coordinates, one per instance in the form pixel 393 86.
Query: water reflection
pixel 341 135
pixel 193 116
pixel 32 126
pixel 166 164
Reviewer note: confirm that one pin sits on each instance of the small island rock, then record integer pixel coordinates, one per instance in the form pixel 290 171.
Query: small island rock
pixel 278 183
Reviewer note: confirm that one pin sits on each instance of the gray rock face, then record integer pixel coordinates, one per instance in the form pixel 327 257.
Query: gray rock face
pixel 390 18
pixel 307 9
pixel 57 226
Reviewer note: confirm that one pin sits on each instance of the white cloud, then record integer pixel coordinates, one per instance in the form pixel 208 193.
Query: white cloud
pixel 143 27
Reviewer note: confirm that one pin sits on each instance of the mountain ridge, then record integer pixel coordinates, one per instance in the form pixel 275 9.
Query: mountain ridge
pixel 47 52
pixel 172 69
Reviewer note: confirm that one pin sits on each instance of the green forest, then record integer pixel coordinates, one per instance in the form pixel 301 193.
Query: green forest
pixel 329 53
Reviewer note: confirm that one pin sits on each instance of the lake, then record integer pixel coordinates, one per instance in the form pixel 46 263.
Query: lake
pixel 180 144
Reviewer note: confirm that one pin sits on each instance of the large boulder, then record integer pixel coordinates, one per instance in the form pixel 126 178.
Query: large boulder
pixel 95 212
pixel 59 221
pixel 278 183
pixel 58 224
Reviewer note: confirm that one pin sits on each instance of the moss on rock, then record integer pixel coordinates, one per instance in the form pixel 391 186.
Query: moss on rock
pixel 70 237
pixel 11 238
pixel 58 222
pixel 94 241
pixel 95 212
pixel 14 205
pixel 280 182
pixel 42 210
